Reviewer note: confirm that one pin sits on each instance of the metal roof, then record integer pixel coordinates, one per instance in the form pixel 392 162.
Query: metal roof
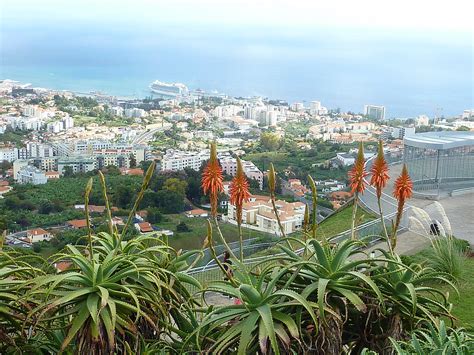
pixel 440 140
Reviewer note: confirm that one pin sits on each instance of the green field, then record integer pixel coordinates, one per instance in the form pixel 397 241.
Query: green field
pixel 198 230
pixel 342 221
pixel 463 306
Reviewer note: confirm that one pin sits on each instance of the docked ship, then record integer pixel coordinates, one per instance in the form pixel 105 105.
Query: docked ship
pixel 168 90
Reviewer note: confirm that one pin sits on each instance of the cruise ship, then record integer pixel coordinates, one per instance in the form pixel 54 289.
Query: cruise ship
pixel 168 90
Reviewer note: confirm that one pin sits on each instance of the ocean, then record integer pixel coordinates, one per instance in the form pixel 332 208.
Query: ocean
pixel 410 74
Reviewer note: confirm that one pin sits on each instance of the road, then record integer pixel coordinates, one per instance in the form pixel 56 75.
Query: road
pixel 148 135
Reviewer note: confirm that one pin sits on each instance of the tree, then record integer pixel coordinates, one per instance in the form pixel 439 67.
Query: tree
pixel 176 185
pixel 154 215
pixel 463 129
pixel 270 141
pixel 67 171
pixel 169 201
pixel 123 196
pixel 112 170
pixel 45 207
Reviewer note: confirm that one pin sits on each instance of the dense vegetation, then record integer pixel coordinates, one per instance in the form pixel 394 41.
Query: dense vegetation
pixel 137 295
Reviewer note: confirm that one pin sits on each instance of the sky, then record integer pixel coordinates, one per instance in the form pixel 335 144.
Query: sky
pixel 412 55
pixel 401 15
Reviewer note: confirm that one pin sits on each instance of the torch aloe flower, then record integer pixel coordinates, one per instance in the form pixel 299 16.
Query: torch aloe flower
pixel 379 180
pixel 357 182
pixel 239 193
pixel 212 179
pixel 403 190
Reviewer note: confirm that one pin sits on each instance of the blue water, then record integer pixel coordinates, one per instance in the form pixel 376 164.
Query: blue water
pixel 410 74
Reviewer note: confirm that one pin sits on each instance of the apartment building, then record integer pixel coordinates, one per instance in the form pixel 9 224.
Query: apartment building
pixel 31 175
pixel 258 214
pixel 78 164
pixel 229 166
pixel 175 160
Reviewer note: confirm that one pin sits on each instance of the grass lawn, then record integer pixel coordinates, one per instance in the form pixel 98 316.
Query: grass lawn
pixel 198 230
pixel 342 221
pixel 463 306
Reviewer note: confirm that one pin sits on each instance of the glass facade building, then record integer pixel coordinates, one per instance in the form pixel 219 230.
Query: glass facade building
pixel 440 161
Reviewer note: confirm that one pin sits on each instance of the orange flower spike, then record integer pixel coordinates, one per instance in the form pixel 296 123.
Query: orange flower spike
pixel 212 179
pixel 239 190
pixel 358 173
pixel 403 186
pixel 379 172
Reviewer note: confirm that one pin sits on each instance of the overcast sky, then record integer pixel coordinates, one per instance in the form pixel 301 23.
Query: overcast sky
pixel 453 16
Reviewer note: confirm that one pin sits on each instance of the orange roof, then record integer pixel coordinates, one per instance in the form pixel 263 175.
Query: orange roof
pixel 36 231
pixel 52 173
pixel 134 171
pixel 78 223
pixel 4 183
pixel 145 227
pixel 5 188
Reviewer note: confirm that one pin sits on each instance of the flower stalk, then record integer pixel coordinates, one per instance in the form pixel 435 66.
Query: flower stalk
pixel 379 180
pixel 239 193
pixel 357 182
pixel 403 191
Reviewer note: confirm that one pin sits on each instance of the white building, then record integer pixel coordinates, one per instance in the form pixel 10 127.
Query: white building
pixel 30 111
pixel 68 122
pixel 78 164
pixel 117 111
pixel 229 166
pixel 375 112
pixel 37 235
pixel 297 106
pixel 31 175
pixel 400 132
pixel 467 114
pixel 8 154
pixel 258 214
pixel 422 120
pixel 135 112
pixel 39 150
pixel 345 159
pixel 17 166
pixel 175 160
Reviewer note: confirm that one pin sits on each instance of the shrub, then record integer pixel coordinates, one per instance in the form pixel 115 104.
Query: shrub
pixel 446 256
pixel 182 227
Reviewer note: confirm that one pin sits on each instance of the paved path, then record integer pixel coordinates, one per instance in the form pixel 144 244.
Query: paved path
pixel 459 209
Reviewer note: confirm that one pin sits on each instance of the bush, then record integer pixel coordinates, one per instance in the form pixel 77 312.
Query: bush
pixel 446 255
pixel 36 247
pixel 182 227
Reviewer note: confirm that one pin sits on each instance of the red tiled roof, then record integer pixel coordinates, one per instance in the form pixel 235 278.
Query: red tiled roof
pixel 78 223
pixel 145 227
pixel 36 231
pixel 4 183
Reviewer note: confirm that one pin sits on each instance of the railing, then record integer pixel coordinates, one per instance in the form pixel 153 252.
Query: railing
pixel 372 230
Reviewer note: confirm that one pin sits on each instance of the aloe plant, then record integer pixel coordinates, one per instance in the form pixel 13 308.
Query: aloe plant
pixel 436 340
pixel 265 320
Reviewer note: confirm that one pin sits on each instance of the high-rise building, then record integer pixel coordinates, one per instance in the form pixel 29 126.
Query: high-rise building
pixel 314 107
pixel 375 112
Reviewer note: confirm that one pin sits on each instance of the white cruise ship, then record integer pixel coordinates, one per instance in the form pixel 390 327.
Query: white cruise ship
pixel 168 90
